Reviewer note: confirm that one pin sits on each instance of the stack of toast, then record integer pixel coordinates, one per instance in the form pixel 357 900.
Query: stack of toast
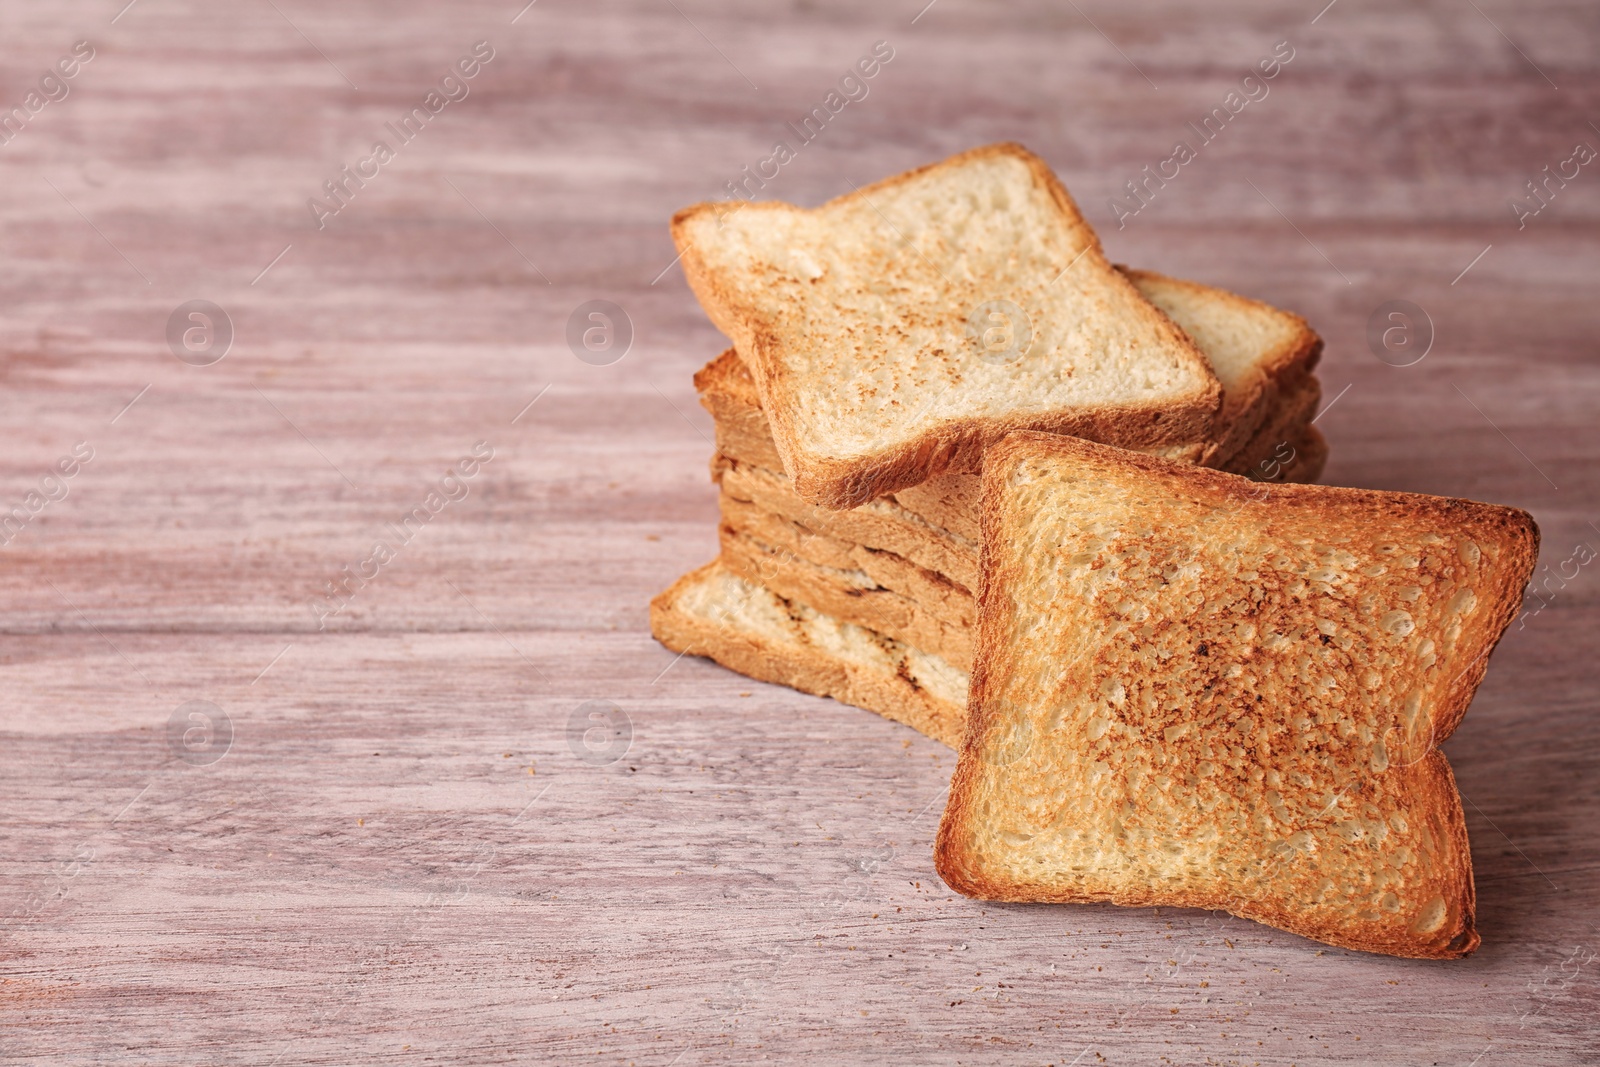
pixel 1044 509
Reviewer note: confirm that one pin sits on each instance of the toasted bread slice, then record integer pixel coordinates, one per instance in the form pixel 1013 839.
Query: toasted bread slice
pixel 755 549
pixel 886 592
pixel 1255 350
pixel 896 331
pixel 935 705
pixel 713 612
pixel 1270 448
pixel 948 501
pixel 880 524
pixel 1187 696
pixel 934 529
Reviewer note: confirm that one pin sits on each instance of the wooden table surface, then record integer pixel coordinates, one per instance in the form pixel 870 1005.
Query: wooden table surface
pixel 398 843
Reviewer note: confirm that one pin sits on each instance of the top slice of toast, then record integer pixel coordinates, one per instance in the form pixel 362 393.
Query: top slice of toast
pixel 898 330
pixel 1262 357
pixel 1190 690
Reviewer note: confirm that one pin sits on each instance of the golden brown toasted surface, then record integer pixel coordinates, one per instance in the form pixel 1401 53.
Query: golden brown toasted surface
pixel 1191 692
pixel 866 325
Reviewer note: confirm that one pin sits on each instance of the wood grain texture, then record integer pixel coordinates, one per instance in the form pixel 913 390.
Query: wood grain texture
pixel 371 872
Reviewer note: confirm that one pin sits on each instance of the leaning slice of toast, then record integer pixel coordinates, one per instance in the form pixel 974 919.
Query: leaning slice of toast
pixel 1192 696
pixel 1258 352
pixel 715 613
pixel 896 331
